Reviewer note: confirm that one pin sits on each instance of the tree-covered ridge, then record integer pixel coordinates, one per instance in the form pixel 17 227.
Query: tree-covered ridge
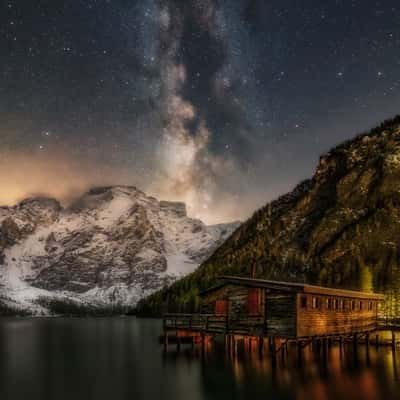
pixel 341 228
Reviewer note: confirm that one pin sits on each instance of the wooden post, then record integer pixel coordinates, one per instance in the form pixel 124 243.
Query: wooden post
pixel 377 341
pixel 299 352
pixel 260 346
pixel 324 348
pixel 318 346
pixel 270 344
pixel 393 341
pixel 355 340
pixel 165 341
pixel 178 342
pixel 367 341
pixel 273 351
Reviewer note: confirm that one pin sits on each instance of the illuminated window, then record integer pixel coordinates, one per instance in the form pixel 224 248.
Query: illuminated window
pixel 328 304
pixel 370 306
pixel 315 302
pixel 336 304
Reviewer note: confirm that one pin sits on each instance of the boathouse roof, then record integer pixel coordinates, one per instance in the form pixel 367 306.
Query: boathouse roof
pixel 291 287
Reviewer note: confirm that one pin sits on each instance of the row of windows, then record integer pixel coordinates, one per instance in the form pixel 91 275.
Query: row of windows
pixel 336 304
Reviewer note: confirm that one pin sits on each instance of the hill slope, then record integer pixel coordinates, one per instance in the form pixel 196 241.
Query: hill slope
pixel 341 228
pixel 111 247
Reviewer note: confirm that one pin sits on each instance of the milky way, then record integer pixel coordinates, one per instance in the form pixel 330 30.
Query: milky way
pixel 222 104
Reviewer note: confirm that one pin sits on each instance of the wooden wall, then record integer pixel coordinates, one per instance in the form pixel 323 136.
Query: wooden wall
pixel 237 297
pixel 286 315
pixel 331 319
pixel 280 319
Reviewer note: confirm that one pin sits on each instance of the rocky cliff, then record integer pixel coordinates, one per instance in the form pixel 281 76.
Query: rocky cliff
pixel 341 228
pixel 111 247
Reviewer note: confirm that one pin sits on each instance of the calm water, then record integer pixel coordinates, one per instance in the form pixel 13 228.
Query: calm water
pixel 121 359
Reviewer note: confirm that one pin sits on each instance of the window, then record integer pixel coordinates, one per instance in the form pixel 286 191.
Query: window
pixel 303 301
pixel 370 306
pixel 341 304
pixel 328 304
pixel 336 304
pixel 315 302
pixel 353 305
pixel 361 305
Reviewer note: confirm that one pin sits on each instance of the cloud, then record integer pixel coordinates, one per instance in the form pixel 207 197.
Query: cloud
pixel 52 172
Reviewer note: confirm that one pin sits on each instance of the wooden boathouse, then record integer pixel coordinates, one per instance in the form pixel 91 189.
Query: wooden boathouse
pixel 258 308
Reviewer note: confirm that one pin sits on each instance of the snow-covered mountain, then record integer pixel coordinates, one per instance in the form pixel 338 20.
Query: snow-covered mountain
pixel 112 246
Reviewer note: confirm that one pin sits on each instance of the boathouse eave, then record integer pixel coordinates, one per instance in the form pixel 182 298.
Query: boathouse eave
pixel 293 287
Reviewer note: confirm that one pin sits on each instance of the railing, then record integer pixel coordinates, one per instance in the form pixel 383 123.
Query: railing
pixel 389 323
pixel 214 323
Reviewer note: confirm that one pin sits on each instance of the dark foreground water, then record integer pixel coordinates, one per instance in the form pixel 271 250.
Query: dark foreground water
pixel 121 359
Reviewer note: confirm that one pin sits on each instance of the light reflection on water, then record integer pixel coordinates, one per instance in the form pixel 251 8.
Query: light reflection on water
pixel 122 359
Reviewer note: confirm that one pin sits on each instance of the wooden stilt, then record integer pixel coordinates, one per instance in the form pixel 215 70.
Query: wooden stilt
pixel 377 341
pixel 355 341
pixel 324 348
pixel 273 351
pixel 166 341
pixel 393 341
pixel 260 346
pixel 299 352
pixel 203 339
pixel 178 342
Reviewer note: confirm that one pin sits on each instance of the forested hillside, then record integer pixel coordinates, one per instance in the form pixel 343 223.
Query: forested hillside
pixel 340 228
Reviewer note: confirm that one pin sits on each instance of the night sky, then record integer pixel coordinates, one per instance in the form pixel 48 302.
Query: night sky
pixel 224 104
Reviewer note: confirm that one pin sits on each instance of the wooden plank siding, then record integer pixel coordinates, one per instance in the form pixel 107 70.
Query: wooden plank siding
pixel 256 307
pixel 280 318
pixel 237 297
pixel 334 315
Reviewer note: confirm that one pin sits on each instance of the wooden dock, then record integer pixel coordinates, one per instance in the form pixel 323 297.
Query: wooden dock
pixel 272 315
pixel 192 329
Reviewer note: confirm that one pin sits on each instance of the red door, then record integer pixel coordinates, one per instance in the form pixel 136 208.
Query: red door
pixel 253 301
pixel 221 307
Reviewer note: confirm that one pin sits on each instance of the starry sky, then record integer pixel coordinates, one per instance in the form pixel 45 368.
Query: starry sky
pixel 223 104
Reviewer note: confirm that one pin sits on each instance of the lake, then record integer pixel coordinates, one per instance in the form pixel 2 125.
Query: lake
pixel 121 358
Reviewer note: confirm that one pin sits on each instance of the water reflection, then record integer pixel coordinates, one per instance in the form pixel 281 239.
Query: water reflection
pixel 121 359
pixel 340 372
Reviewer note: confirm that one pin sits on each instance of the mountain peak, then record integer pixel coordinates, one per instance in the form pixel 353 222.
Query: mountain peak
pixel 113 244
pixel 41 202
